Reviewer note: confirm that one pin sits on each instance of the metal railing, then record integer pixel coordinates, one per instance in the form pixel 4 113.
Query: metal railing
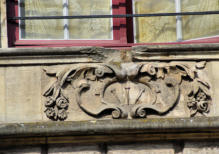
pixel 113 16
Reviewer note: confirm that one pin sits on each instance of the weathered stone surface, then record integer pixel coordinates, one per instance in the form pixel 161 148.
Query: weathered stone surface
pixel 210 147
pixel 164 147
pixel 33 56
pixel 23 94
pixel 213 74
pixel 21 150
pixel 72 149
pixel 42 56
pixel 118 85
pixel 2 95
pixel 134 82
pixel 176 52
pixel 149 129
pixel 74 112
pixel 147 148
pixel 128 90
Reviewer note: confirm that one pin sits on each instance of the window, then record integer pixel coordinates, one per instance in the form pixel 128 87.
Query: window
pixel 120 32
pixel 171 29
pixel 95 31
pixel 87 29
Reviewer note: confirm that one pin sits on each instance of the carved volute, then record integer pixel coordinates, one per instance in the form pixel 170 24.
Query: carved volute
pixel 133 90
pixel 129 90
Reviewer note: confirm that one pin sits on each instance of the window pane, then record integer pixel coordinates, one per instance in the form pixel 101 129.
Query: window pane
pixel 41 29
pixel 154 29
pixel 90 28
pixel 200 26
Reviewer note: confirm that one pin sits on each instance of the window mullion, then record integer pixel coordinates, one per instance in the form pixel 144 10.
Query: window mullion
pixel 66 23
pixel 178 21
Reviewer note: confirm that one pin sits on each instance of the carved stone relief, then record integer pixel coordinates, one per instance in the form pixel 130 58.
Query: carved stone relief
pixel 129 90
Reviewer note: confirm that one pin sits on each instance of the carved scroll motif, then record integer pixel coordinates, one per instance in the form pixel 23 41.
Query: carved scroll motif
pixel 130 90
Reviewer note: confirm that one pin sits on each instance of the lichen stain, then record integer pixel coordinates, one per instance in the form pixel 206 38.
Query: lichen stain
pixel 125 55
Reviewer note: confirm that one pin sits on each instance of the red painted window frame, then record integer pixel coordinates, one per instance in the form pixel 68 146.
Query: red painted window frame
pixel 123 35
pixel 119 30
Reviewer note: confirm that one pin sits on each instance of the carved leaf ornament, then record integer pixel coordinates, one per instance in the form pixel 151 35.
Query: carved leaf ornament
pixel 129 90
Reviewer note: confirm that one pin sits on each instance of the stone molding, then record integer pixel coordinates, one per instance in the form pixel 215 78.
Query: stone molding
pixel 109 131
pixel 70 55
pixel 109 127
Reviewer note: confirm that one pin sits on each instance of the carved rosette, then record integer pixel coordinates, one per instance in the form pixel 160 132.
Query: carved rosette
pixel 129 90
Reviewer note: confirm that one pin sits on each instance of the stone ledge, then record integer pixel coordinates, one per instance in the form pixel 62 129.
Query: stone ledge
pixel 44 56
pixel 98 127
pixel 109 131
pixel 69 55
pixel 94 50
pixel 177 47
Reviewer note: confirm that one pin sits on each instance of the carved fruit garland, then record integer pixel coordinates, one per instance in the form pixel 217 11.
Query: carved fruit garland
pixel 57 103
pixel 130 90
pixel 199 97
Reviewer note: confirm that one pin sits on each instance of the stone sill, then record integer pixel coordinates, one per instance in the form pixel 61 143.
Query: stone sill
pixel 73 50
pixel 69 55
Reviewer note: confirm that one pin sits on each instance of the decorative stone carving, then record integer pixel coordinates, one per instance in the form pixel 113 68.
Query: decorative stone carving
pixel 129 90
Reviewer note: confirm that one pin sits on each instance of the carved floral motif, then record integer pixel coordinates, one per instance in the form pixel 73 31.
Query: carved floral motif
pixel 129 90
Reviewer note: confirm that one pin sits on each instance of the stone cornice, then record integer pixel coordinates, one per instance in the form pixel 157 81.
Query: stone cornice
pixel 69 55
pixel 109 131
pixel 120 126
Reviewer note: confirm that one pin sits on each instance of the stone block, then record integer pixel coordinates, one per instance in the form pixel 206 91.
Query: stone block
pixel 21 150
pixel 69 149
pixel 201 147
pixel 146 148
pixel 2 95
pixel 23 94
pixel 213 76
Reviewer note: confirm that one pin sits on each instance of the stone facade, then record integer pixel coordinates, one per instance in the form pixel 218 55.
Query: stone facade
pixel 141 148
pixel 153 99
pixel 100 86
pixel 146 99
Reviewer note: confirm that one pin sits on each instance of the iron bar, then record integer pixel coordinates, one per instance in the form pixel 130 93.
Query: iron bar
pixel 179 33
pixel 113 16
